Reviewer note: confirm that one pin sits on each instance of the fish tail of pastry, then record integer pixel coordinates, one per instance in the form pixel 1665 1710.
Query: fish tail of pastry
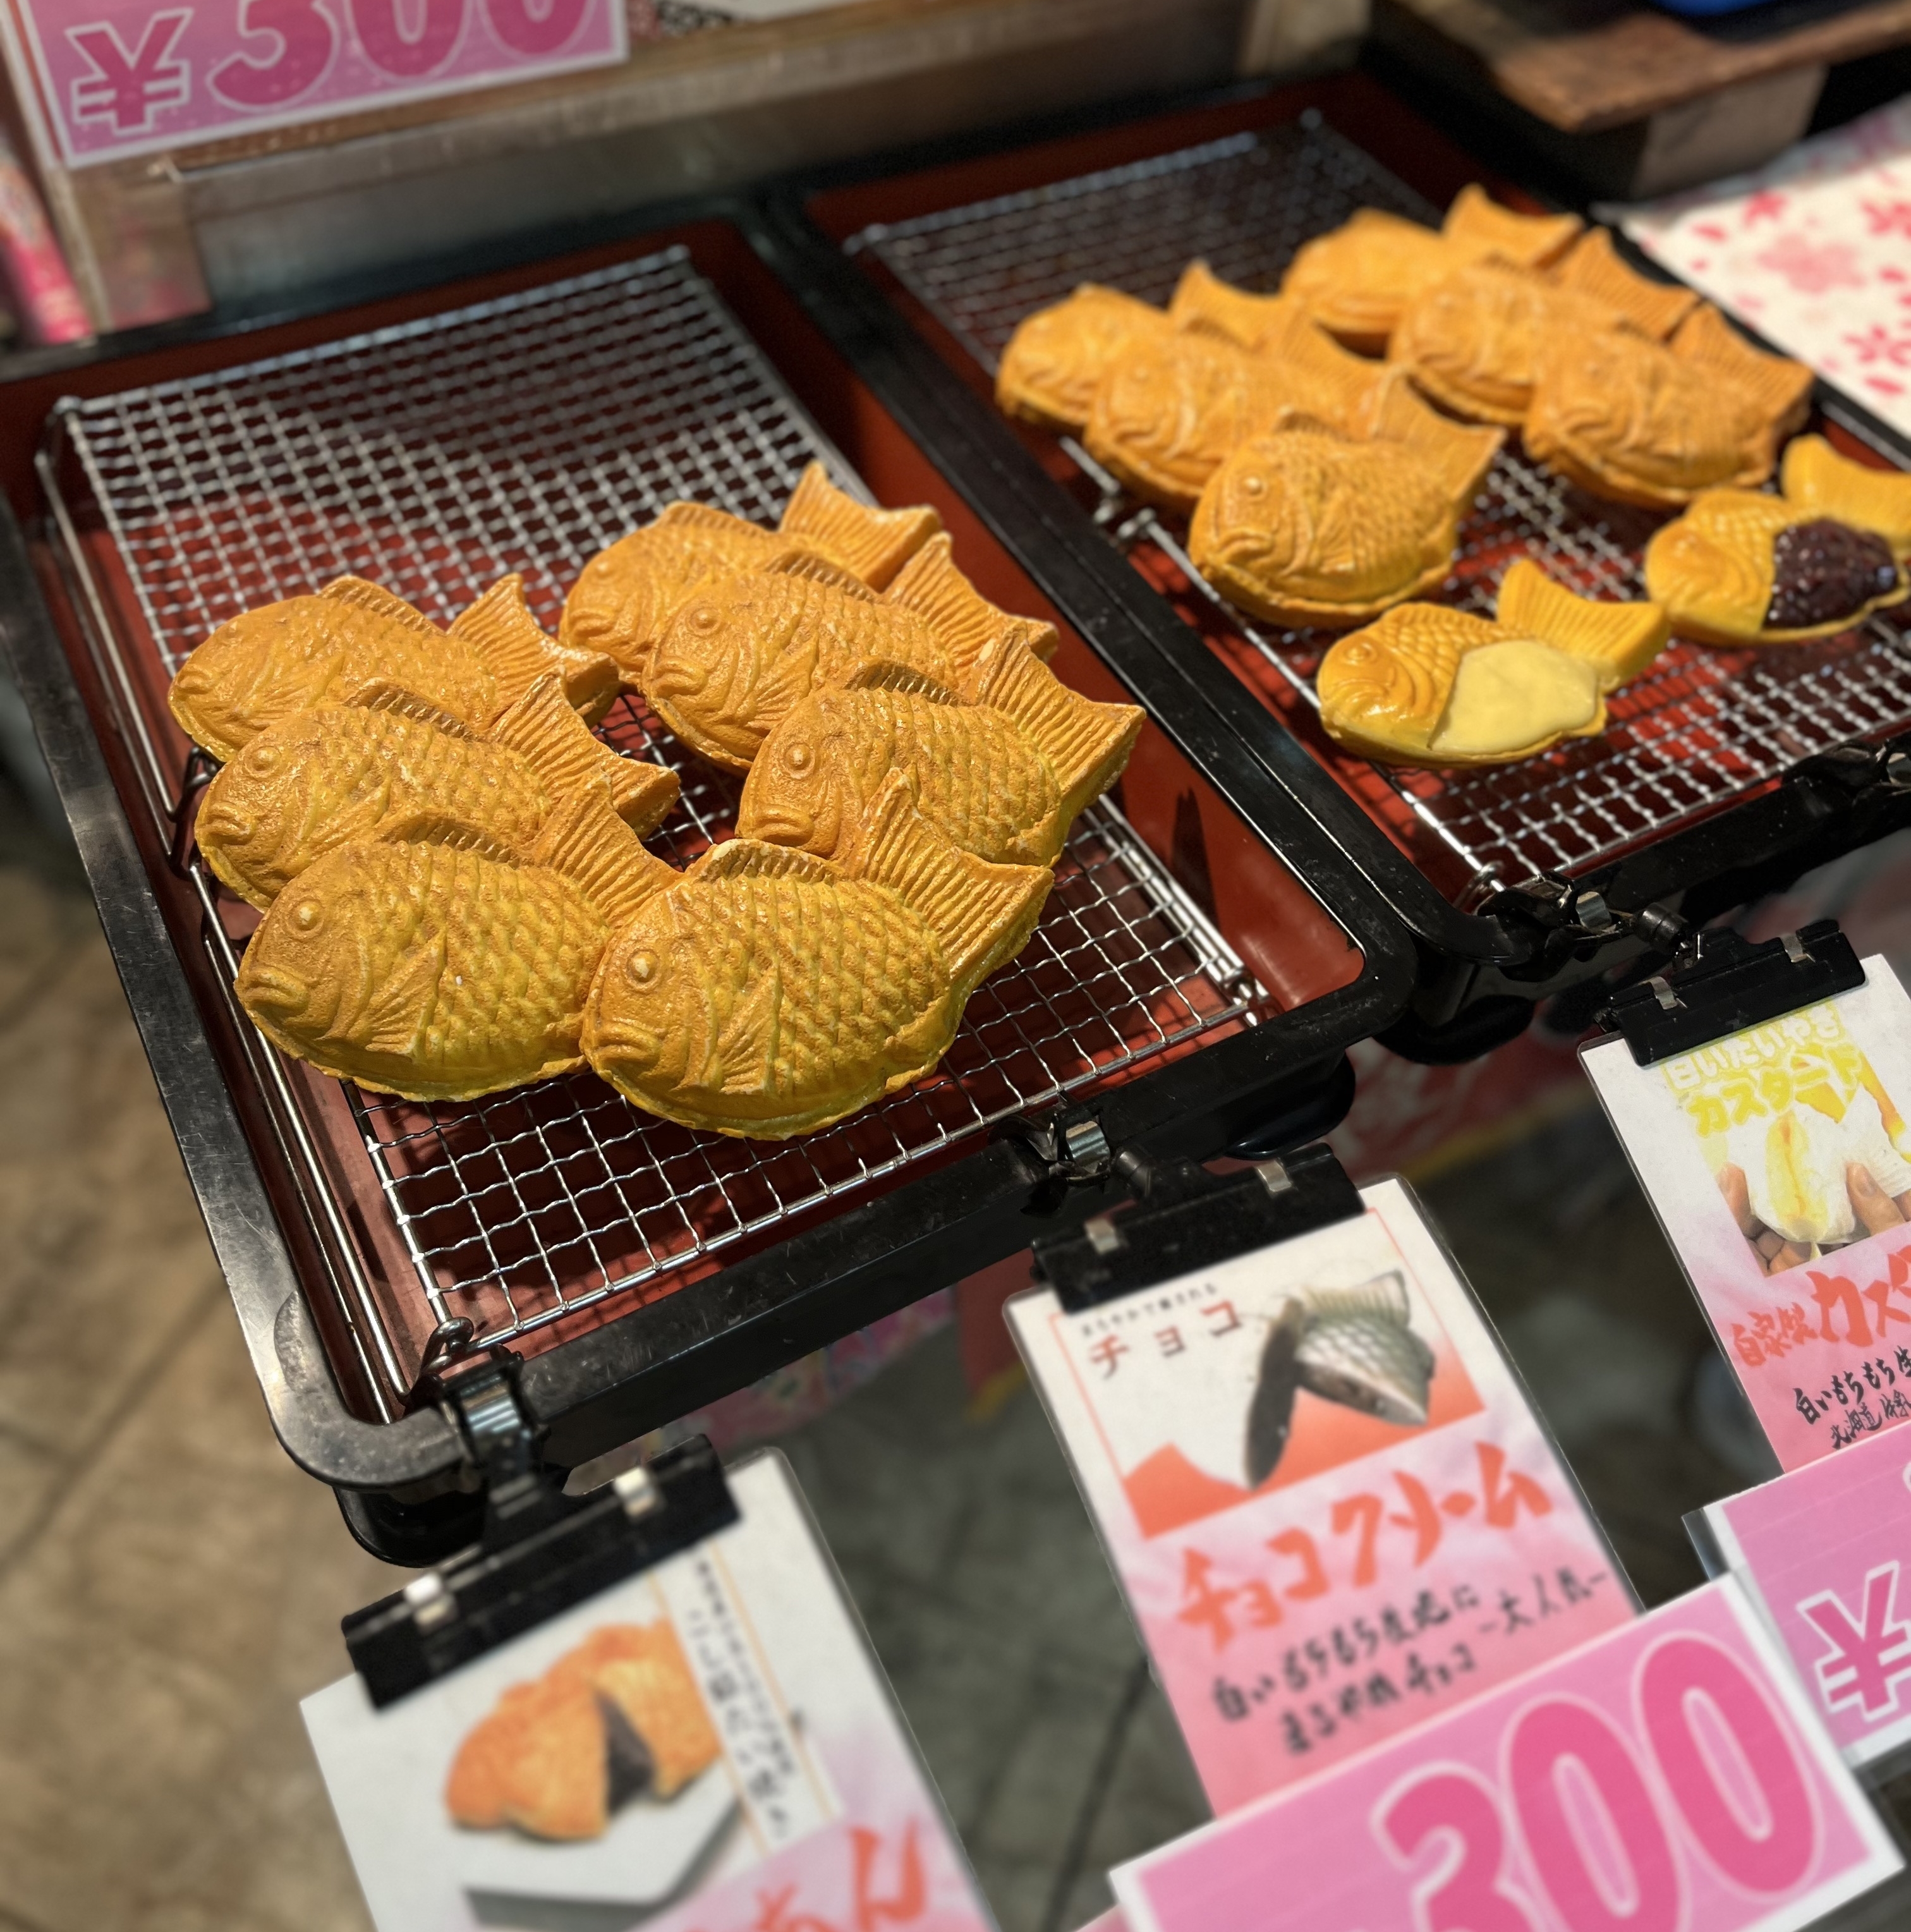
pixel 1622 639
pixel 874 544
pixel 376 600
pixel 980 913
pixel 1815 477
pixel 932 587
pixel 541 728
pixel 1593 268
pixel 584 839
pixel 1477 222
pixel 1781 387
pixel 1085 745
pixel 1460 456
pixel 515 648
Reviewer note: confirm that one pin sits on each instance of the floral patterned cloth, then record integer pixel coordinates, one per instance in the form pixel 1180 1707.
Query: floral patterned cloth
pixel 1813 251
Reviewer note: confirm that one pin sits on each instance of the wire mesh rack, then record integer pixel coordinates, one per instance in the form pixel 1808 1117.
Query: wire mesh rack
pixel 523 434
pixel 1701 728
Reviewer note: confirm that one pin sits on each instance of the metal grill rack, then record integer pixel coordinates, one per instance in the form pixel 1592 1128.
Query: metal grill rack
pixel 1701 729
pixel 524 434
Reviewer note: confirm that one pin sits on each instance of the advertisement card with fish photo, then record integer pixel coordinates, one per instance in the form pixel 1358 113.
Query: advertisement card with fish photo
pixel 709 1746
pixel 1323 1490
pixel 1778 1161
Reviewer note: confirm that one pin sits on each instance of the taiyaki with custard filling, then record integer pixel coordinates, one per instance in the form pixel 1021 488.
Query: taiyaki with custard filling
pixel 629 591
pixel 769 992
pixel 1357 279
pixel 1055 361
pixel 353 636
pixel 1308 525
pixel 746 648
pixel 1003 777
pixel 1427 684
pixel 1742 567
pixel 433 962
pixel 322 778
pixel 1592 267
pixel 1632 419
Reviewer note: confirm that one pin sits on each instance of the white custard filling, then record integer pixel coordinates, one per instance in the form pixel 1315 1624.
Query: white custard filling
pixel 1515 693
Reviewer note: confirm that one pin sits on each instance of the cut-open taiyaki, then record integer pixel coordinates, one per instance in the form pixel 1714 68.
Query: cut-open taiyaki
pixel 1357 280
pixel 1642 423
pixel 1426 685
pixel 1742 567
pixel 1056 359
pixel 1592 268
pixel 1309 524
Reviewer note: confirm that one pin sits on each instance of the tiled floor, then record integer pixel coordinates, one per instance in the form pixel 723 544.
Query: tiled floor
pixel 170 1585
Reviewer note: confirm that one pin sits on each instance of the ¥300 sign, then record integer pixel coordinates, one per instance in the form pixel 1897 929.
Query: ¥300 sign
pixel 120 77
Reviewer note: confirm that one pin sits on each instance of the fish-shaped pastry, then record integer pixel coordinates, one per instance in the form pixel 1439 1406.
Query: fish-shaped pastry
pixel 1356 281
pixel 1202 299
pixel 1741 567
pixel 1591 267
pixel 322 778
pixel 432 962
pixel 628 592
pixel 769 992
pixel 1053 364
pixel 1427 684
pixel 1469 341
pixel 259 668
pixel 1003 777
pixel 1309 525
pixel 1169 413
pixel 746 648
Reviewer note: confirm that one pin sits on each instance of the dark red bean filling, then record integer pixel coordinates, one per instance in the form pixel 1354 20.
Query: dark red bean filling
pixel 1822 571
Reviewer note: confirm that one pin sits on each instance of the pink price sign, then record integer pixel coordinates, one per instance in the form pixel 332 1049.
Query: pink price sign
pixel 1668 1777
pixel 1820 1551
pixel 120 77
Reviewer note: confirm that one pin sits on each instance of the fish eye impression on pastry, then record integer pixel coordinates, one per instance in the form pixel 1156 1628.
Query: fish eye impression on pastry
pixel 1426 685
pixel 1743 567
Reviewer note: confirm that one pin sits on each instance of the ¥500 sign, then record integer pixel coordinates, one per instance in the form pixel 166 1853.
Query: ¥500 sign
pixel 120 77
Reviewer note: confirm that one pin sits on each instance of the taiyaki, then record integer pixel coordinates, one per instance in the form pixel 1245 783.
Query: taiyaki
pixel 627 593
pixel 1003 777
pixel 769 992
pixel 1202 299
pixel 1469 341
pixel 1631 419
pixel 1427 684
pixel 1055 360
pixel 261 667
pixel 1168 413
pixel 1356 281
pixel 432 962
pixel 322 779
pixel 1741 567
pixel 1592 267
pixel 747 646
pixel 1308 525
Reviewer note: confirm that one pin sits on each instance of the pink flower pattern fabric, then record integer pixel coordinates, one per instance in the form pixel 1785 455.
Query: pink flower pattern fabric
pixel 1813 251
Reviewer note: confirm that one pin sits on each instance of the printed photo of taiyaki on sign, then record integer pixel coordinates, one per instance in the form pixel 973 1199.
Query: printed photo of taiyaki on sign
pixel 1205 1395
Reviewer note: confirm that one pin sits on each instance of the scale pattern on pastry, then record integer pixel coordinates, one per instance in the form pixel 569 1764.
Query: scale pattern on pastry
pixel 1052 365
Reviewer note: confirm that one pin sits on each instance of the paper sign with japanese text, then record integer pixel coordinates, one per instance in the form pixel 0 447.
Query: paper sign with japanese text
pixel 1322 1489
pixel 708 1747
pixel 1778 1161
pixel 1820 1551
pixel 1667 1777
pixel 115 78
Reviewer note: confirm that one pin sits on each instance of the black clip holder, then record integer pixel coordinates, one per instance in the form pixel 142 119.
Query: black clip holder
pixel 1185 1219
pixel 566 1551
pixel 1725 982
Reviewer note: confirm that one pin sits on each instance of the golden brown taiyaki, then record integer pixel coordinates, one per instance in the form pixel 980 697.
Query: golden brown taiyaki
pixel 354 636
pixel 1631 419
pixel 324 777
pixel 1741 567
pixel 1427 684
pixel 1592 267
pixel 1003 777
pixel 1202 299
pixel 747 647
pixel 1356 281
pixel 769 992
pixel 1055 360
pixel 627 593
pixel 432 962
pixel 1469 340
pixel 1309 525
